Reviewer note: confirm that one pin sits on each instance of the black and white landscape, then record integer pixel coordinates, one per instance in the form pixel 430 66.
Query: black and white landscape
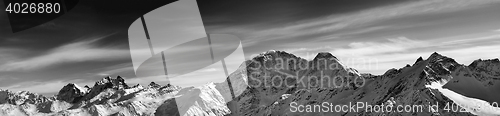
pixel 254 58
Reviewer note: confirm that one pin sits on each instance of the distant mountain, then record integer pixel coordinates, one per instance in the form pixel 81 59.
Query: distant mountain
pixel 108 96
pixel 279 83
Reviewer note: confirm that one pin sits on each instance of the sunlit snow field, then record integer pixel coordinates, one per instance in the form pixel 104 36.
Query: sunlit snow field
pixel 472 105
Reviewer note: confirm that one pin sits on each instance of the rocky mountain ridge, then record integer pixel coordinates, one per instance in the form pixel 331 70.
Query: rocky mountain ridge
pixel 268 84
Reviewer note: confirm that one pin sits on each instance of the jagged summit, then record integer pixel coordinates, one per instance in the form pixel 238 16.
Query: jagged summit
pixel 116 83
pixel 154 85
pixel 434 56
pixel 274 54
pixel 71 93
pixel 325 55
pixel 418 60
pixel 271 54
pixel 325 60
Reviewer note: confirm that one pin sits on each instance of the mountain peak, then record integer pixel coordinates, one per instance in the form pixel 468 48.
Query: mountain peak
pixel 120 78
pixel 70 93
pixel 435 55
pixel 117 82
pixel 103 80
pixel 154 85
pixel 325 55
pixel 106 83
pixel 271 54
pixel 418 60
pixel 276 53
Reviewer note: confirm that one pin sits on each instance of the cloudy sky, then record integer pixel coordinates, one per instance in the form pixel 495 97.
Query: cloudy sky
pixel 91 41
pixel 371 36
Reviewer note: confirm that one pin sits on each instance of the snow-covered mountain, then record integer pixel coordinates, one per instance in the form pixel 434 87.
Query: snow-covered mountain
pixel 277 83
pixel 406 86
pixel 109 96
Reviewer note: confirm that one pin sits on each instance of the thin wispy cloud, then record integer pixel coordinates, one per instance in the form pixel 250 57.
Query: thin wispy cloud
pixel 404 44
pixel 80 51
pixel 472 39
pixel 115 69
pixel 209 70
pixel 462 56
pixel 399 44
pixel 212 73
pixel 9 54
pixel 327 26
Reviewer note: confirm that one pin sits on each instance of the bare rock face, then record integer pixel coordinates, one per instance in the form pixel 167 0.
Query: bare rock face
pixel 276 77
pixel 106 83
pixel 490 67
pixel 71 93
pixel 87 88
pixel 154 85
pixel 418 60
pixel 119 83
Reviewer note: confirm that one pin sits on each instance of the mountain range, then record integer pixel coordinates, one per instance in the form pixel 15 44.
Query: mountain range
pixel 280 83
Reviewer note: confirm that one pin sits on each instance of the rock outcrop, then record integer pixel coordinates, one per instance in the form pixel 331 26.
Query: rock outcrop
pixel 71 93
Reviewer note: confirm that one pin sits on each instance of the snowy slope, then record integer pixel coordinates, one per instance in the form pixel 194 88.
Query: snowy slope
pixel 481 79
pixel 199 101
